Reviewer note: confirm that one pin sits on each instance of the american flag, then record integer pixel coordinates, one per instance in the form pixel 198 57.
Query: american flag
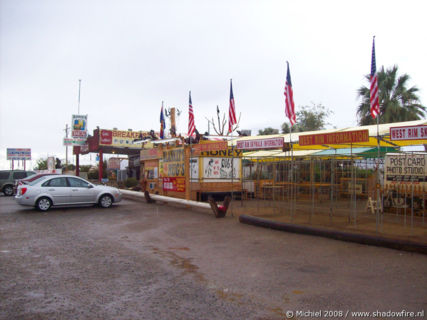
pixel 191 125
pixel 375 104
pixel 289 98
pixel 232 110
pixel 162 124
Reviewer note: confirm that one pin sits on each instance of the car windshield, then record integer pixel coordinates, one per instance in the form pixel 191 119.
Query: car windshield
pixel 37 180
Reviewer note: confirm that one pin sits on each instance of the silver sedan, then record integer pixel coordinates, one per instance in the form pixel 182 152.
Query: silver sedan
pixel 65 190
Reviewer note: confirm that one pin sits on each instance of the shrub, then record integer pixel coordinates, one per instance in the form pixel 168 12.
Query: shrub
pixel 131 182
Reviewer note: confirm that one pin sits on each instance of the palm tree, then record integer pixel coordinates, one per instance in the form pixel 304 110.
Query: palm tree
pixel 397 102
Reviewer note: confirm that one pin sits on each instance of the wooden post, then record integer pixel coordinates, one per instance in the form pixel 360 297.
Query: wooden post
pixel 173 122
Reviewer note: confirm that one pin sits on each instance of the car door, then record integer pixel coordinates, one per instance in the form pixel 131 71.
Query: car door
pixel 58 189
pixel 81 191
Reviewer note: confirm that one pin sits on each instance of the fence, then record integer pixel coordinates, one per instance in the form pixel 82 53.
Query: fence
pixel 341 194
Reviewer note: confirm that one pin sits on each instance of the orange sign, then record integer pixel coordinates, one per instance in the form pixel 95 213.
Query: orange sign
pixel 335 138
pixel 210 146
pixel 148 154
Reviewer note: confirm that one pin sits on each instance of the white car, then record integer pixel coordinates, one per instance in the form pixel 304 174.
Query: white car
pixel 65 190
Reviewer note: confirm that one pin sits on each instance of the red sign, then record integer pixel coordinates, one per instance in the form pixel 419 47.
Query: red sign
pixel 106 137
pixel 174 184
pixel 270 143
pixel 209 146
pixel 345 137
pixel 408 133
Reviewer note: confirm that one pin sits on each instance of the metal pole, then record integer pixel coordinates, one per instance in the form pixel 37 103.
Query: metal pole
pixel 378 175
pixel 66 147
pixel 78 109
pixel 232 177
pixel 292 174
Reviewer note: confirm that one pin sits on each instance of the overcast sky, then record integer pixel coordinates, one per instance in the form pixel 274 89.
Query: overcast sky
pixel 131 55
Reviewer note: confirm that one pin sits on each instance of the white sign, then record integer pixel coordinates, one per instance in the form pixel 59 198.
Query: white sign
pixel 401 168
pixel 51 163
pixel 194 168
pixel 18 154
pixel 221 168
pixel 270 143
pixel 408 133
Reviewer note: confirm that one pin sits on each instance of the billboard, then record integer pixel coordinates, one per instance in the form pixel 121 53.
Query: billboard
pixel 120 138
pixel 18 154
pixel 79 126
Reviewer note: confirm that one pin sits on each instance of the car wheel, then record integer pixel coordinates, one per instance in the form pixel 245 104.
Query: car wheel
pixel 8 190
pixel 106 201
pixel 44 204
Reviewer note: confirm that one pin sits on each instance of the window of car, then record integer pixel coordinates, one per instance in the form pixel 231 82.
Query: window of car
pixel 19 175
pixel 4 175
pixel 56 182
pixel 77 183
pixel 37 180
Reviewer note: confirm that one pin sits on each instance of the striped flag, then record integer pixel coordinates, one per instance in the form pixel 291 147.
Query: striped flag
pixel 162 124
pixel 289 98
pixel 191 125
pixel 375 104
pixel 232 110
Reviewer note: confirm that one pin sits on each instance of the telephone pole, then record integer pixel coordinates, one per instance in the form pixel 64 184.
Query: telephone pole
pixel 66 146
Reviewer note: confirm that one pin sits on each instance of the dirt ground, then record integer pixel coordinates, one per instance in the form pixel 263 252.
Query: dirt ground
pixel 393 224
pixel 156 261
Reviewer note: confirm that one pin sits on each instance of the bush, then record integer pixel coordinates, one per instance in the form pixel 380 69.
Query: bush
pixel 131 182
pixel 93 174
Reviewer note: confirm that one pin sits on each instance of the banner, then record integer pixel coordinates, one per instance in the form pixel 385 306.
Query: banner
pixel 408 133
pixel 79 126
pixel 270 143
pixel 345 137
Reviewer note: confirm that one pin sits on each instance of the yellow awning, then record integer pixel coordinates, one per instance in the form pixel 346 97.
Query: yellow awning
pixel 383 129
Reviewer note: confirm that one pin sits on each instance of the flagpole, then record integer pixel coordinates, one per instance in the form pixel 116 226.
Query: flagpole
pixel 292 174
pixel 378 174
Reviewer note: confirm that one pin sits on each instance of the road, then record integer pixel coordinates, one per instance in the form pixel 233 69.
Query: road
pixel 157 261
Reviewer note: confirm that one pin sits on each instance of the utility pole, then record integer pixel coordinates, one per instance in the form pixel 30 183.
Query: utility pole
pixel 66 146
pixel 80 84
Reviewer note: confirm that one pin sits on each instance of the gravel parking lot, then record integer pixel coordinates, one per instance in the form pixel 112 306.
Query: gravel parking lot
pixel 157 261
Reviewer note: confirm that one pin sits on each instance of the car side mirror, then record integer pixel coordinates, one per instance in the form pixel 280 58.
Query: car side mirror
pixel 90 186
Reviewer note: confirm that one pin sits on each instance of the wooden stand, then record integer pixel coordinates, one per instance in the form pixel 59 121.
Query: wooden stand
pixel 220 211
